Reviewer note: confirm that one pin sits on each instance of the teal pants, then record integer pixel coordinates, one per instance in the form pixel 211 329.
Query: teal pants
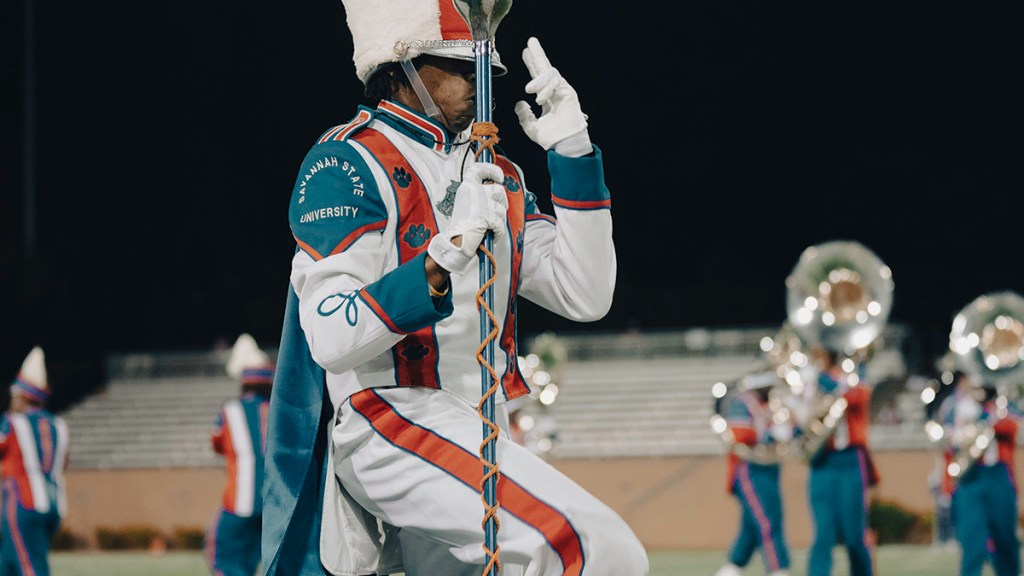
pixel 25 536
pixel 232 544
pixel 837 485
pixel 761 524
pixel 984 514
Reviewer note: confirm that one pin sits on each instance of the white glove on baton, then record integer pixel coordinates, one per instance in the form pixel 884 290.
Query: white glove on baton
pixel 479 207
pixel 562 124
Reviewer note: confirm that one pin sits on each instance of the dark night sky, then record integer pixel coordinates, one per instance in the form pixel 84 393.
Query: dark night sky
pixel 735 135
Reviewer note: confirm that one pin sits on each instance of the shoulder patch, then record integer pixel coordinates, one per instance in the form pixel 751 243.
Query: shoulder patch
pixel 335 201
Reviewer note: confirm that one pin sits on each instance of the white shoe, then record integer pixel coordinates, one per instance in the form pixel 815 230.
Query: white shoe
pixel 729 570
pixel 780 573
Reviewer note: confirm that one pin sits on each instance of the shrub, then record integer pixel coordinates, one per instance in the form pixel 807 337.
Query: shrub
pixel 65 539
pixel 894 524
pixel 188 538
pixel 137 537
pixel 923 531
pixel 109 538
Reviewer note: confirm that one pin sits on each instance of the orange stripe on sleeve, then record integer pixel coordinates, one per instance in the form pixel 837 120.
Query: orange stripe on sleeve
pixel 308 249
pixel 357 234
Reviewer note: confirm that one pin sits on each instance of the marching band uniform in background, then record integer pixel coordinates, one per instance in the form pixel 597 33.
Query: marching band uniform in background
pixel 940 482
pixel 840 476
pixel 33 457
pixel 374 428
pixel 756 485
pixel 984 501
pixel 232 543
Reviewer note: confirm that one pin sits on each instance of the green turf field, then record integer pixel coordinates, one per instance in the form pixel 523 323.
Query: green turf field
pixel 893 560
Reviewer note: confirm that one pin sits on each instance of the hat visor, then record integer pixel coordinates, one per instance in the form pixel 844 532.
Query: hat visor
pixel 466 53
pixel 457 52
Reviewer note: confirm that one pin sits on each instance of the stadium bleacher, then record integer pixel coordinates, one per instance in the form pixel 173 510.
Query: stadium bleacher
pixel 626 394
pixel 651 395
pixel 156 411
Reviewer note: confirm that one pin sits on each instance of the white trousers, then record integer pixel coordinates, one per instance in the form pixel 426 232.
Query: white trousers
pixel 410 457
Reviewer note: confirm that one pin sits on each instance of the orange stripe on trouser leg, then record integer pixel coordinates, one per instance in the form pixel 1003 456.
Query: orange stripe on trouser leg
pixel 19 542
pixel 464 466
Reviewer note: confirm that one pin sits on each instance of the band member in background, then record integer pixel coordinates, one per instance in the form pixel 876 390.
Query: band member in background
pixel 755 484
pixel 984 490
pixel 232 543
pixel 842 471
pixel 960 392
pixel 33 457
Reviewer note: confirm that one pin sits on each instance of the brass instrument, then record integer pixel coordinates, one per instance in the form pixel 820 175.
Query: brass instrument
pixel 786 352
pixel 987 339
pixel 977 438
pixel 969 437
pixel 724 394
pixel 829 412
pixel 839 296
pixel 987 343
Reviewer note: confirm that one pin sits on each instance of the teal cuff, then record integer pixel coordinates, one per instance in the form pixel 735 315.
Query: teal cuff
pixel 578 183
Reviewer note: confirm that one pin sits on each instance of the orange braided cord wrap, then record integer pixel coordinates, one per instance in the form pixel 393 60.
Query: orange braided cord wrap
pixel 491 512
pixel 485 134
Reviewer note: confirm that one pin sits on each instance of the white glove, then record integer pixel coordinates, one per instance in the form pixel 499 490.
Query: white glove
pixel 562 124
pixel 479 207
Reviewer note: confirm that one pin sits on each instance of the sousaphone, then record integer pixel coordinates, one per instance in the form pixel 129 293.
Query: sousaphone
pixel 987 342
pixel 839 296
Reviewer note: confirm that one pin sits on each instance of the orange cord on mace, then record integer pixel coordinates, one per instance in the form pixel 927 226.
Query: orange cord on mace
pixel 485 134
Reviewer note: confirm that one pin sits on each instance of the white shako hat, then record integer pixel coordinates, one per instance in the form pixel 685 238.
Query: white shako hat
pixel 31 380
pixel 248 363
pixel 394 30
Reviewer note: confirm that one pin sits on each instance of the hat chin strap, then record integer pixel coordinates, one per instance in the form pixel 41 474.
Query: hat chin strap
pixel 429 108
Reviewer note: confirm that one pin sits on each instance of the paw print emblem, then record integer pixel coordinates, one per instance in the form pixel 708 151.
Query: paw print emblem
pixel 415 352
pixel 417 235
pixel 511 185
pixel 401 177
pixel 519 243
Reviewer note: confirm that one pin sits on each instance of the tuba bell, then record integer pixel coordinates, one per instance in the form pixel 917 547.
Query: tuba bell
pixel 987 344
pixel 838 296
pixel 987 339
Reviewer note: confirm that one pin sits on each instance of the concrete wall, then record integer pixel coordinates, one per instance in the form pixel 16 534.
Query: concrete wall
pixel 681 503
pixel 162 498
pixel 672 503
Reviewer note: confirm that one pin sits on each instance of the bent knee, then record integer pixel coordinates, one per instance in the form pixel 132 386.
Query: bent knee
pixel 617 553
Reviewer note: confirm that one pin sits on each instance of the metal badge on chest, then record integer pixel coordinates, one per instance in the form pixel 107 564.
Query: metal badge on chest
pixel 447 204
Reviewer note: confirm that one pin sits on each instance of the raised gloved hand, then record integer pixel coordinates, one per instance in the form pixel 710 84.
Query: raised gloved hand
pixel 562 124
pixel 479 207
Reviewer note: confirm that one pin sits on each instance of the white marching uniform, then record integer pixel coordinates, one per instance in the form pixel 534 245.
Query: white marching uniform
pixel 401 367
